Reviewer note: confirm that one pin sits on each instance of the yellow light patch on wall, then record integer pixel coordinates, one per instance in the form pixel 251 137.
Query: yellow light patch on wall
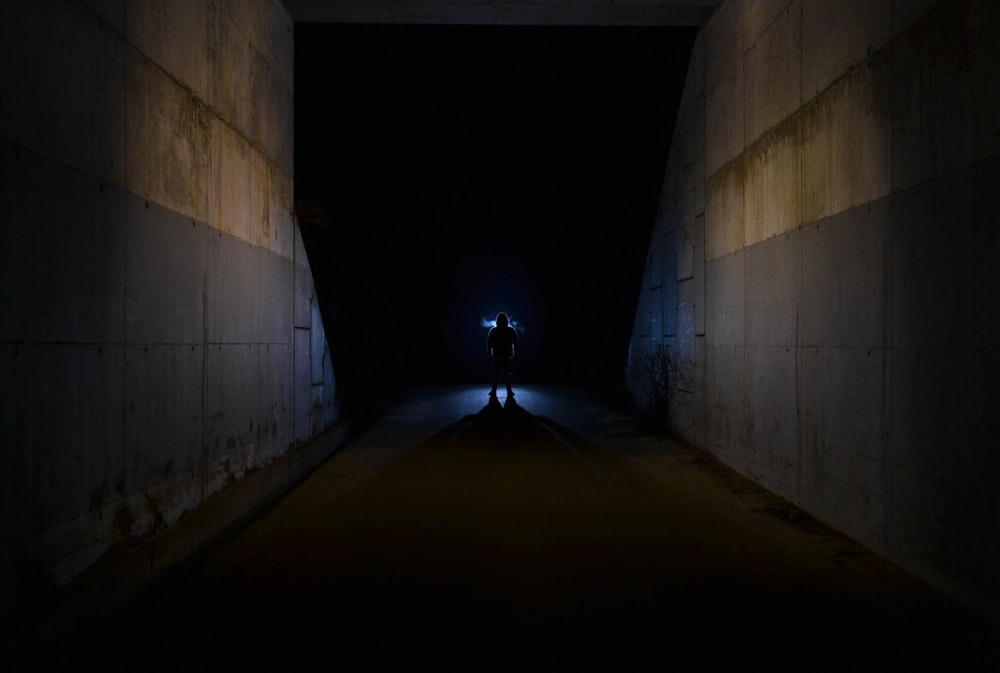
pixel 724 211
pixel 771 196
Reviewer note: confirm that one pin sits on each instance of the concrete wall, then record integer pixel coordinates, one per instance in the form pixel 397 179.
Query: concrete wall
pixel 819 304
pixel 161 339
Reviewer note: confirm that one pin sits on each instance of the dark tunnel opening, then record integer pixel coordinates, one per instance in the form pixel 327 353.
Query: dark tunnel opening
pixel 446 173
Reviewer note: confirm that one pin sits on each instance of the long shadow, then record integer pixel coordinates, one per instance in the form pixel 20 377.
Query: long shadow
pixel 507 425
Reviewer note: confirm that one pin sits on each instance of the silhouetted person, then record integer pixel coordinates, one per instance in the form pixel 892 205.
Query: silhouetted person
pixel 502 346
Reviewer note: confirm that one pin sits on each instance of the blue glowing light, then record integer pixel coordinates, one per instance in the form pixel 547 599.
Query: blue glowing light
pixel 492 322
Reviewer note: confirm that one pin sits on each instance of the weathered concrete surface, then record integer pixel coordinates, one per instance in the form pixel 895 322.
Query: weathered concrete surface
pixel 550 533
pixel 834 173
pixel 161 336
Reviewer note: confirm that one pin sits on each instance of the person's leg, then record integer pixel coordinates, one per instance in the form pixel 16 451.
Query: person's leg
pixel 507 375
pixel 494 374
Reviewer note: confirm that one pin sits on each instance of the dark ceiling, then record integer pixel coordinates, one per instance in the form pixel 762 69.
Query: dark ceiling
pixel 505 12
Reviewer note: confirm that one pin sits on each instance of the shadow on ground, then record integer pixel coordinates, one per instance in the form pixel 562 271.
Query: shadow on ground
pixel 506 540
pixel 505 425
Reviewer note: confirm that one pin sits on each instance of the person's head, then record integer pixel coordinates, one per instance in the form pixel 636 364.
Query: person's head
pixel 502 320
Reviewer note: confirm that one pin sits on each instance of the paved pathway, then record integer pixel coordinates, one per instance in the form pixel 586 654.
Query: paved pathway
pixel 544 534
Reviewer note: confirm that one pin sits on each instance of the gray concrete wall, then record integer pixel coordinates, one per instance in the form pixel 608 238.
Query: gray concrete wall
pixel 161 338
pixel 819 304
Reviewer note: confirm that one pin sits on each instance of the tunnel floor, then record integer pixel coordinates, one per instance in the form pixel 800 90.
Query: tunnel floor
pixel 544 532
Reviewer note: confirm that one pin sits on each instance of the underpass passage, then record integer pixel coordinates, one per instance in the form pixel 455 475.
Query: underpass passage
pixel 535 532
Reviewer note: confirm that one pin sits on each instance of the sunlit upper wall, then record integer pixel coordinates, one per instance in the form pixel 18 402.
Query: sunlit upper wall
pixel 500 12
pixel 198 107
pixel 798 103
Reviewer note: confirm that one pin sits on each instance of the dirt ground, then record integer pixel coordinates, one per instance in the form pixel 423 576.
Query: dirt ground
pixel 547 532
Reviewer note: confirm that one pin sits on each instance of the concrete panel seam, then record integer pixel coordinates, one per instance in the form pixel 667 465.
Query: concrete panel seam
pixel 216 113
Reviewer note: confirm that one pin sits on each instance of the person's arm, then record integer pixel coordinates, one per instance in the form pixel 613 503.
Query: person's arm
pixel 489 343
pixel 516 350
